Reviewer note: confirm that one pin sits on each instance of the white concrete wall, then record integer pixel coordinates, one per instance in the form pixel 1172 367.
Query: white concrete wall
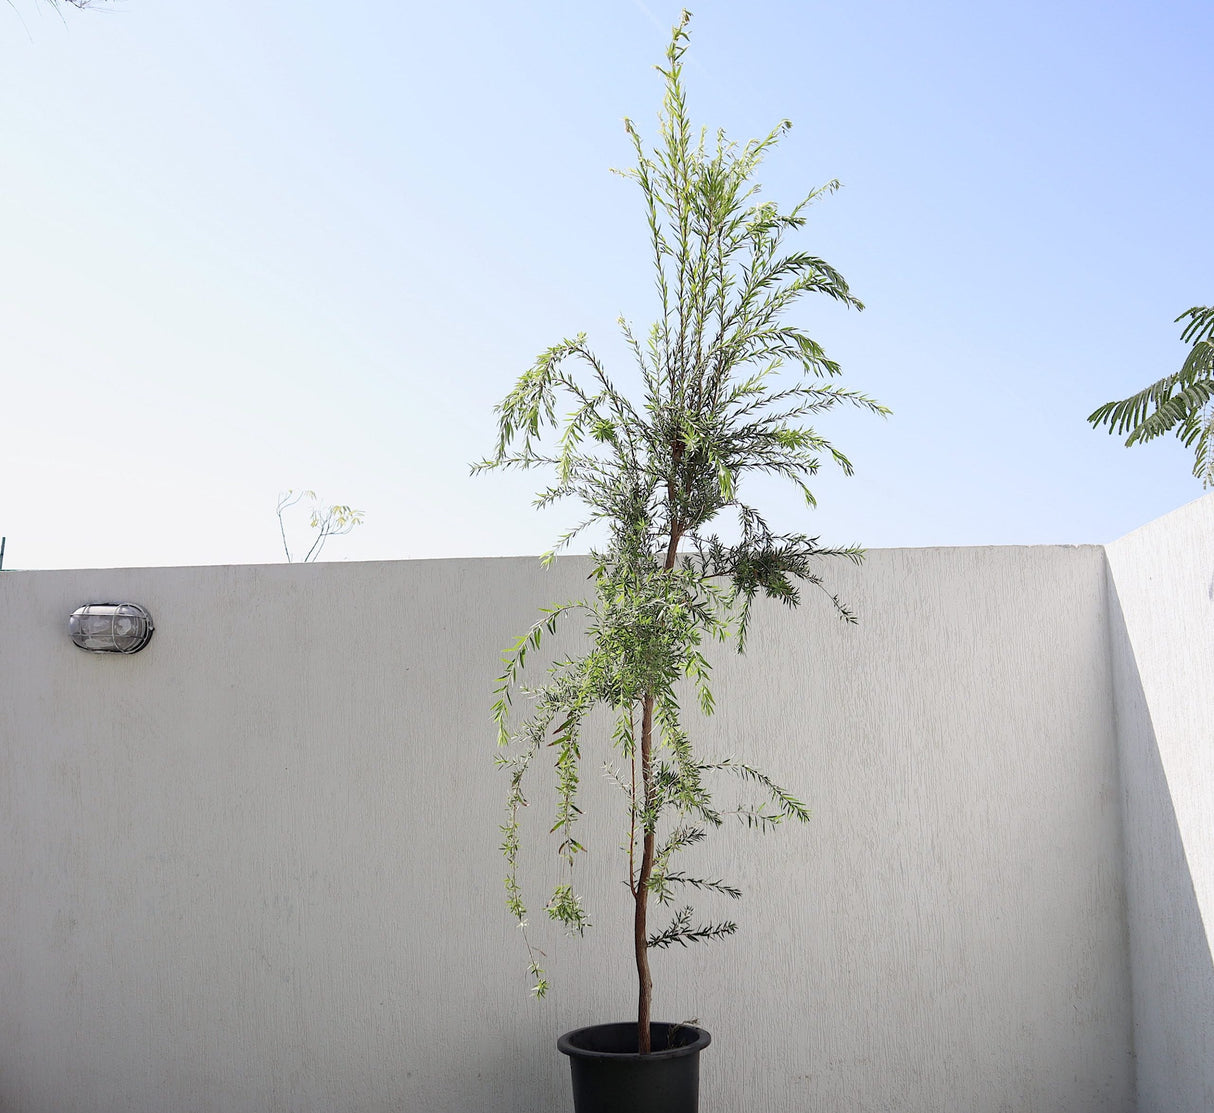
pixel 1162 639
pixel 254 867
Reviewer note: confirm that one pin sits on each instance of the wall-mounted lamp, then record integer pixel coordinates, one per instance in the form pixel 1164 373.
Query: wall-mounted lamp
pixel 111 627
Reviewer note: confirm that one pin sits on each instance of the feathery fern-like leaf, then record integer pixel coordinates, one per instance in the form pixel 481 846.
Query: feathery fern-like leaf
pixel 1182 402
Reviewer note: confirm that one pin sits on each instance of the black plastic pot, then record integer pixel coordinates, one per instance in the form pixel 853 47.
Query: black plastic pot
pixel 609 1076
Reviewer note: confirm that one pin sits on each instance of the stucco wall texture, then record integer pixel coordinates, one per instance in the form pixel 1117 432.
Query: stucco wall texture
pixel 255 867
pixel 1161 581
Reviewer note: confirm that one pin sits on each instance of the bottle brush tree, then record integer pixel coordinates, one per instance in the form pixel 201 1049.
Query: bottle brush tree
pixel 727 388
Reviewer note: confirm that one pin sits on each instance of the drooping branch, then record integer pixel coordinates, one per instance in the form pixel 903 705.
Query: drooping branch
pixel 1182 402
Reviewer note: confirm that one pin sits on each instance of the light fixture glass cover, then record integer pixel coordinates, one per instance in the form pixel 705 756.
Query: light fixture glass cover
pixel 111 627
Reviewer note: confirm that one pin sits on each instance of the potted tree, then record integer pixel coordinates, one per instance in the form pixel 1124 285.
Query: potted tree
pixel 716 405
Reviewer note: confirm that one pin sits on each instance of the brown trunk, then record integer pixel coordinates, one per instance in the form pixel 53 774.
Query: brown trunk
pixel 639 937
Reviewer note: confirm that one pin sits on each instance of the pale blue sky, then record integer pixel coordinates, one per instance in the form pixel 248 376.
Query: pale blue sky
pixel 256 246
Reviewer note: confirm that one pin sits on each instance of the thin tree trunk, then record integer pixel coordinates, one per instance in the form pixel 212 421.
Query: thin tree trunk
pixel 639 936
pixel 640 939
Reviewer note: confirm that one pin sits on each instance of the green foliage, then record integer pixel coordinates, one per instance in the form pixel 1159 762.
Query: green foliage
pixel 1182 402
pixel 728 386
pixel 325 521
pixel 681 931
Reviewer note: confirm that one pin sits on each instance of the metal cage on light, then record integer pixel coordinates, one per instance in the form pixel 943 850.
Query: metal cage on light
pixel 111 627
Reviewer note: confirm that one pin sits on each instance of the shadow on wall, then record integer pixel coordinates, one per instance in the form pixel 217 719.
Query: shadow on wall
pixel 1172 972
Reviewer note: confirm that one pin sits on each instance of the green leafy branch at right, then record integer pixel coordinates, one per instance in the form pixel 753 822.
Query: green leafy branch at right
pixel 1182 402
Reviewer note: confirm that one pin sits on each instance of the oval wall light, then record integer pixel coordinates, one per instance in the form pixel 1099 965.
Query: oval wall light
pixel 111 627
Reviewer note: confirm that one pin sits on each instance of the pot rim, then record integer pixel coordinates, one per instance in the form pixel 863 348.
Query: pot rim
pixel 567 1044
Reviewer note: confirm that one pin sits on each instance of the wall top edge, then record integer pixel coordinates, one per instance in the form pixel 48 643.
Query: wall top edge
pixel 268 566
pixel 1197 510
pixel 281 567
